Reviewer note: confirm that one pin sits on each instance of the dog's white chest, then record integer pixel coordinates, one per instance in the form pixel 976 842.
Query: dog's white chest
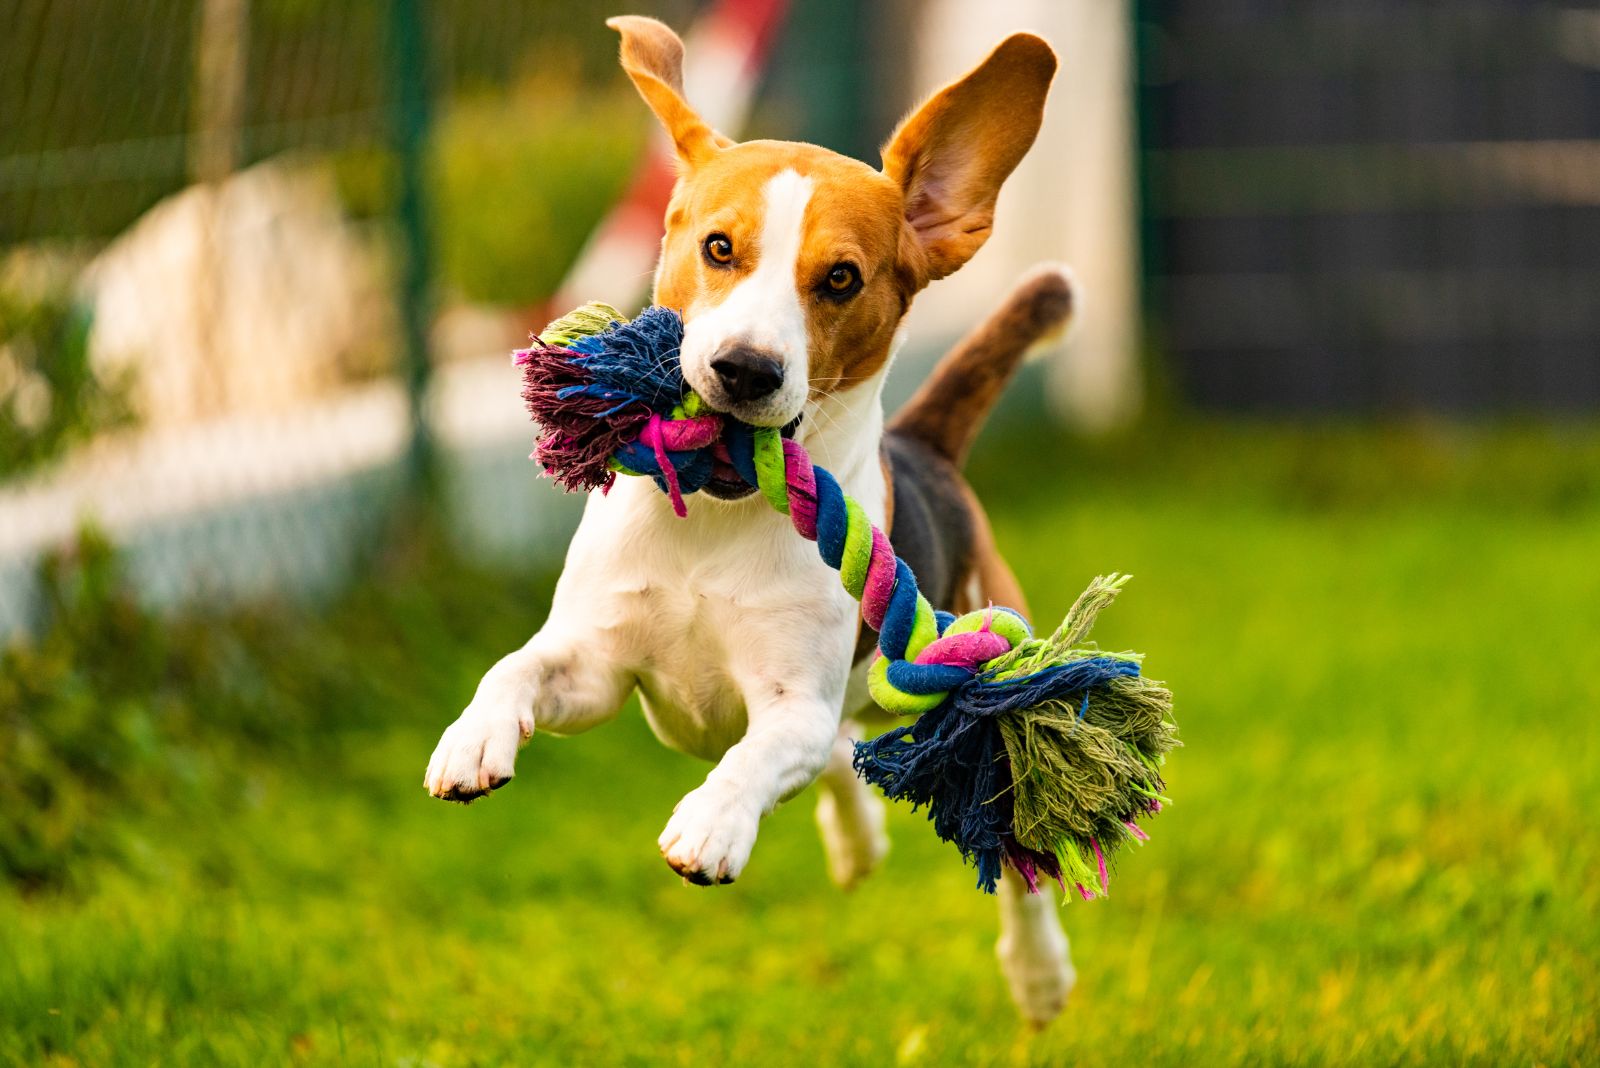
pixel 682 660
pixel 710 613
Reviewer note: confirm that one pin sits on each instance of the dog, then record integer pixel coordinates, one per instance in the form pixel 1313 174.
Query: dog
pixel 793 268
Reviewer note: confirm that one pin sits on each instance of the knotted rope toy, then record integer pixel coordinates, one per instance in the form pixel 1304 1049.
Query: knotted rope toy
pixel 1040 754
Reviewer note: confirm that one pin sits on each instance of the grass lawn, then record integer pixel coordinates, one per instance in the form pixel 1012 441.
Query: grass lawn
pixel 1386 654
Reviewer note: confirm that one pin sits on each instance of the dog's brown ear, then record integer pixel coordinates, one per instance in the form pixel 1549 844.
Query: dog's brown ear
pixel 951 155
pixel 652 55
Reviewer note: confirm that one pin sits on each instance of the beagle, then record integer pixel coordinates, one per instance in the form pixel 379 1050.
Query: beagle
pixel 792 267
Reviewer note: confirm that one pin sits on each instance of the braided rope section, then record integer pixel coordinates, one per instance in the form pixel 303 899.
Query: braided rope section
pixel 1035 753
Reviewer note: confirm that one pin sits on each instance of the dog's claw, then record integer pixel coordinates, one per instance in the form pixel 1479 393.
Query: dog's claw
pixel 467 795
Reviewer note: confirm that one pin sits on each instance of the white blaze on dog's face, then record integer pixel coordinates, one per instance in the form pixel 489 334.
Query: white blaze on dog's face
pixel 793 265
pixel 745 347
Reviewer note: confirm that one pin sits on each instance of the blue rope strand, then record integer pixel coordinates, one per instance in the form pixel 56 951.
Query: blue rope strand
pixel 926 678
pixel 833 521
pixel 741 444
pixel 901 613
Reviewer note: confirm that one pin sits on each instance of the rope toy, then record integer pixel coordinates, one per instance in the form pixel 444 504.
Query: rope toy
pixel 1040 754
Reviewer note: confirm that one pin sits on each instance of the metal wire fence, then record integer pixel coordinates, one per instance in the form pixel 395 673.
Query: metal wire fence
pixel 250 249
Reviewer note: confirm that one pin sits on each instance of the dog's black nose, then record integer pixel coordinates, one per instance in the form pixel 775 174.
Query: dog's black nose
pixel 746 373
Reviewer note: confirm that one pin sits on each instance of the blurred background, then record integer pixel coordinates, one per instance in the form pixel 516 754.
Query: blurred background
pixel 266 514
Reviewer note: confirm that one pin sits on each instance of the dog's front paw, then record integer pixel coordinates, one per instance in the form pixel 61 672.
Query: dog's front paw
pixel 476 754
pixel 710 835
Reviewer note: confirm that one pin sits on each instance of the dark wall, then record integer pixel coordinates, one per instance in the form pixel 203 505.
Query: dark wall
pixel 1374 206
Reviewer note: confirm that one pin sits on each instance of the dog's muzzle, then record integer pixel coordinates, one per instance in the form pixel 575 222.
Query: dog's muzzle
pixel 746 374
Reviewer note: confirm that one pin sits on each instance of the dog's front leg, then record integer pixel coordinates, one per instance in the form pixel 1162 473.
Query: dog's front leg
pixel 564 681
pixel 711 832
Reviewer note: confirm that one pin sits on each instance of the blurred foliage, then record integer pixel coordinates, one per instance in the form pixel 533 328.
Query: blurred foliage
pixel 74 731
pixel 520 179
pixel 523 178
pixel 113 713
pixel 50 396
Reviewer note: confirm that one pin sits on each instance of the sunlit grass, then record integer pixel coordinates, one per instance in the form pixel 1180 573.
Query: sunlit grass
pixel 1382 848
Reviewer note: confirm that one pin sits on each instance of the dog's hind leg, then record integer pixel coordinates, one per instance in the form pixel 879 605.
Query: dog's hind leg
pixel 850 815
pixel 1033 951
pixel 1034 955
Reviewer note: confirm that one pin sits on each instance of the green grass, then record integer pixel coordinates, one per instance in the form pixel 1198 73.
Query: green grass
pixel 1384 650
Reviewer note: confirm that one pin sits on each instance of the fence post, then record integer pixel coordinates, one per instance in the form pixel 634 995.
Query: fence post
pixel 1147 42
pixel 222 54
pixel 410 99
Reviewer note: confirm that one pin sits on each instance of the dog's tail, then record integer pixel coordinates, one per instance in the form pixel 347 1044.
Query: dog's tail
pixel 949 409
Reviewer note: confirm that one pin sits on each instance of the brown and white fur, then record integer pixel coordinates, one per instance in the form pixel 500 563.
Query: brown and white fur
pixel 792 267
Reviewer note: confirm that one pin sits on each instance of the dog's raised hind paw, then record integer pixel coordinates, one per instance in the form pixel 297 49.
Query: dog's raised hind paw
pixel 853 837
pixel 1040 974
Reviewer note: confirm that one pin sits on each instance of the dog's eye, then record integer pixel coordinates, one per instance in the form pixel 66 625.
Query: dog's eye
pixel 719 250
pixel 842 280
